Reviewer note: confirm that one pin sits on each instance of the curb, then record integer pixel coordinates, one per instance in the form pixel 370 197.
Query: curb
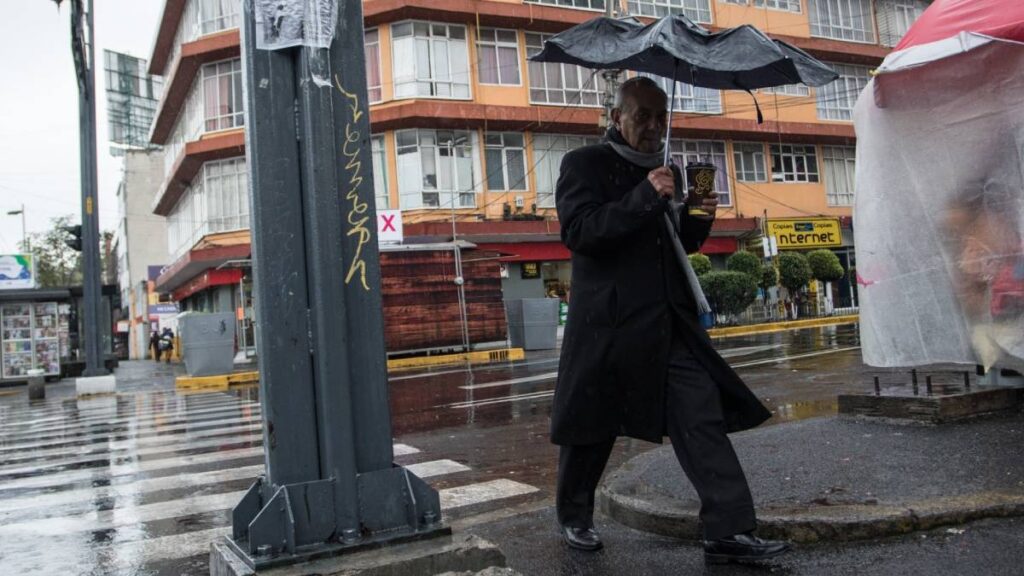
pixel 479 357
pixel 214 383
pixel 782 326
pixel 811 524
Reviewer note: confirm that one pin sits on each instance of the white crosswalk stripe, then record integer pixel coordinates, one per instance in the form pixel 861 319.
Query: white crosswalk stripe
pixel 154 480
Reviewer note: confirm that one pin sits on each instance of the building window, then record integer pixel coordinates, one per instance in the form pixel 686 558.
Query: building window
pixel 435 169
pixel 505 158
pixel 380 172
pixel 690 98
pixel 555 83
pixel 784 5
pixel 749 161
pixel 430 59
pixel 548 151
pixel 789 90
pixel 895 18
pixel 583 4
pixel 839 173
pixel 371 41
pixel 217 15
pixel 498 54
pixel 842 20
pixel 227 195
pixel 696 10
pixel 794 163
pixel 836 99
pixel 222 95
pixel 687 151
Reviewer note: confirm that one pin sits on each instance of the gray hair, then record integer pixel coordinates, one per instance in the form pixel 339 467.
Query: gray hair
pixel 633 84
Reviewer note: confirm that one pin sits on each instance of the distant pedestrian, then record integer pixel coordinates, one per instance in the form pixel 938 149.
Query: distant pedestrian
pixel 167 343
pixel 154 344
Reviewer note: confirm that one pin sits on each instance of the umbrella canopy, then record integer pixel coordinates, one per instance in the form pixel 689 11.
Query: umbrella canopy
pixel 947 18
pixel 741 58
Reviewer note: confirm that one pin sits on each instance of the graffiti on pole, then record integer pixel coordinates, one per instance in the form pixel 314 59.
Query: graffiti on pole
pixel 357 218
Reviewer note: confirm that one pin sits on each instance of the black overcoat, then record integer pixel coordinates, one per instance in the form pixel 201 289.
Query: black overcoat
pixel 628 291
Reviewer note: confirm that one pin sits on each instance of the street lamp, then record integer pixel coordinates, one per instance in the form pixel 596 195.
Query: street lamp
pixel 24 238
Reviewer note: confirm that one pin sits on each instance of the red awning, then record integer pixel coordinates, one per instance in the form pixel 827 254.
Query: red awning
pixel 208 279
pixel 719 245
pixel 529 251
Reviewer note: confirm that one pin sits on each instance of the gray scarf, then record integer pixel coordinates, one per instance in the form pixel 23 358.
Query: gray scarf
pixel 653 160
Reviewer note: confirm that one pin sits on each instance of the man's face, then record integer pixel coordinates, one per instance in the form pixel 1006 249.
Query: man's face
pixel 642 117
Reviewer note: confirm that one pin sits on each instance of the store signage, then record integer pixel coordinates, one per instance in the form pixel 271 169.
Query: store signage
pixel 805 233
pixel 529 270
pixel 389 226
pixel 157 309
pixel 17 272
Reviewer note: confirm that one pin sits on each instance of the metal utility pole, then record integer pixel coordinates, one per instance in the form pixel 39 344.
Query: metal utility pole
pixel 611 77
pixel 24 237
pixel 330 484
pixel 82 48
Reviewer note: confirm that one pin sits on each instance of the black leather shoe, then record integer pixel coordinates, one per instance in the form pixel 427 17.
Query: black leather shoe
pixel 742 548
pixel 582 538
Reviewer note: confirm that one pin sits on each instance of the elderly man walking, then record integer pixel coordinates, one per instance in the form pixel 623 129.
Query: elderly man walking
pixel 635 360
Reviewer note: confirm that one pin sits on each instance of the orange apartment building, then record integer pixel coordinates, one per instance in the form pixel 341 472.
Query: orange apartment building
pixel 467 129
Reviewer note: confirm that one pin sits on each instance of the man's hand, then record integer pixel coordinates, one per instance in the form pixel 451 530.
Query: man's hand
pixel 663 181
pixel 709 205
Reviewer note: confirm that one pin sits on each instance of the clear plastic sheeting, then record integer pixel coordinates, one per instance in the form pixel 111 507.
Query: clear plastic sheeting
pixel 287 23
pixel 939 214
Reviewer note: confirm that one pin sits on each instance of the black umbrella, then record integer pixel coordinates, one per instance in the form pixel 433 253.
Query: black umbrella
pixel 741 58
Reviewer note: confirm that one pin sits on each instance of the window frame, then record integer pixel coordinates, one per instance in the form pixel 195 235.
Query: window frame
pixel 438 159
pixel 498 45
pixel 378 146
pixel 375 43
pixel 504 148
pixel 737 150
pixel 562 4
pixel 847 156
pixel 568 94
pixel 818 10
pixel 398 83
pixel 666 7
pixel 548 172
pixel 682 98
pixel 794 152
pixel 833 103
pixel 234 119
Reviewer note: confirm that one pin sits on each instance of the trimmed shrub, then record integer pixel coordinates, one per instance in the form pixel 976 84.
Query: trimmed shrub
pixel 701 263
pixel 729 292
pixel 825 265
pixel 745 262
pixel 769 277
pixel 794 271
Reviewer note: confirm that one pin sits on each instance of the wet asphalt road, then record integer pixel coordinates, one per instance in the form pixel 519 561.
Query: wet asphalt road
pixel 140 483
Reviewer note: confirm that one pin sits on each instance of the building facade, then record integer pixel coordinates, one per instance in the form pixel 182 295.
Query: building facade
pixel 466 129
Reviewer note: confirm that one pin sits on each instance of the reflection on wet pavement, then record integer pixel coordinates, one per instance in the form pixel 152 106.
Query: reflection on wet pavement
pixel 142 482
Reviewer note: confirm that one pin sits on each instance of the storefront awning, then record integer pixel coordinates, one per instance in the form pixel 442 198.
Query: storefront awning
pixel 719 245
pixel 529 251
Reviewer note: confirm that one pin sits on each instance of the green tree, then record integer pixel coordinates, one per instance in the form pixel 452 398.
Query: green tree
pixel 745 262
pixel 729 292
pixel 701 263
pixel 57 264
pixel 769 277
pixel 825 265
pixel 794 271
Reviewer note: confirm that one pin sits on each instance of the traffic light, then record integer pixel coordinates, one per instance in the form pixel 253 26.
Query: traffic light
pixel 75 241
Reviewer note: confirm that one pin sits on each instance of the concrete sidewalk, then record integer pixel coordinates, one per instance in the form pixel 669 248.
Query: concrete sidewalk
pixel 836 479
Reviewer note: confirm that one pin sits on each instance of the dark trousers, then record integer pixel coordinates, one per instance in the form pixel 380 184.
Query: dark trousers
pixel 694 423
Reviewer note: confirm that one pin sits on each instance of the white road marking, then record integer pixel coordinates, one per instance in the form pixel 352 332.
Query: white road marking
pixel 794 357
pixel 436 468
pixel 487 368
pixel 513 381
pixel 62 415
pixel 470 494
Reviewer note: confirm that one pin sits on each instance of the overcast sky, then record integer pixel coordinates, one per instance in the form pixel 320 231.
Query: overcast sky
pixel 39 109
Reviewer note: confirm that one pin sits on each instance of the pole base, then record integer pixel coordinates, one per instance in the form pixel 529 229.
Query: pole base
pixel 89 385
